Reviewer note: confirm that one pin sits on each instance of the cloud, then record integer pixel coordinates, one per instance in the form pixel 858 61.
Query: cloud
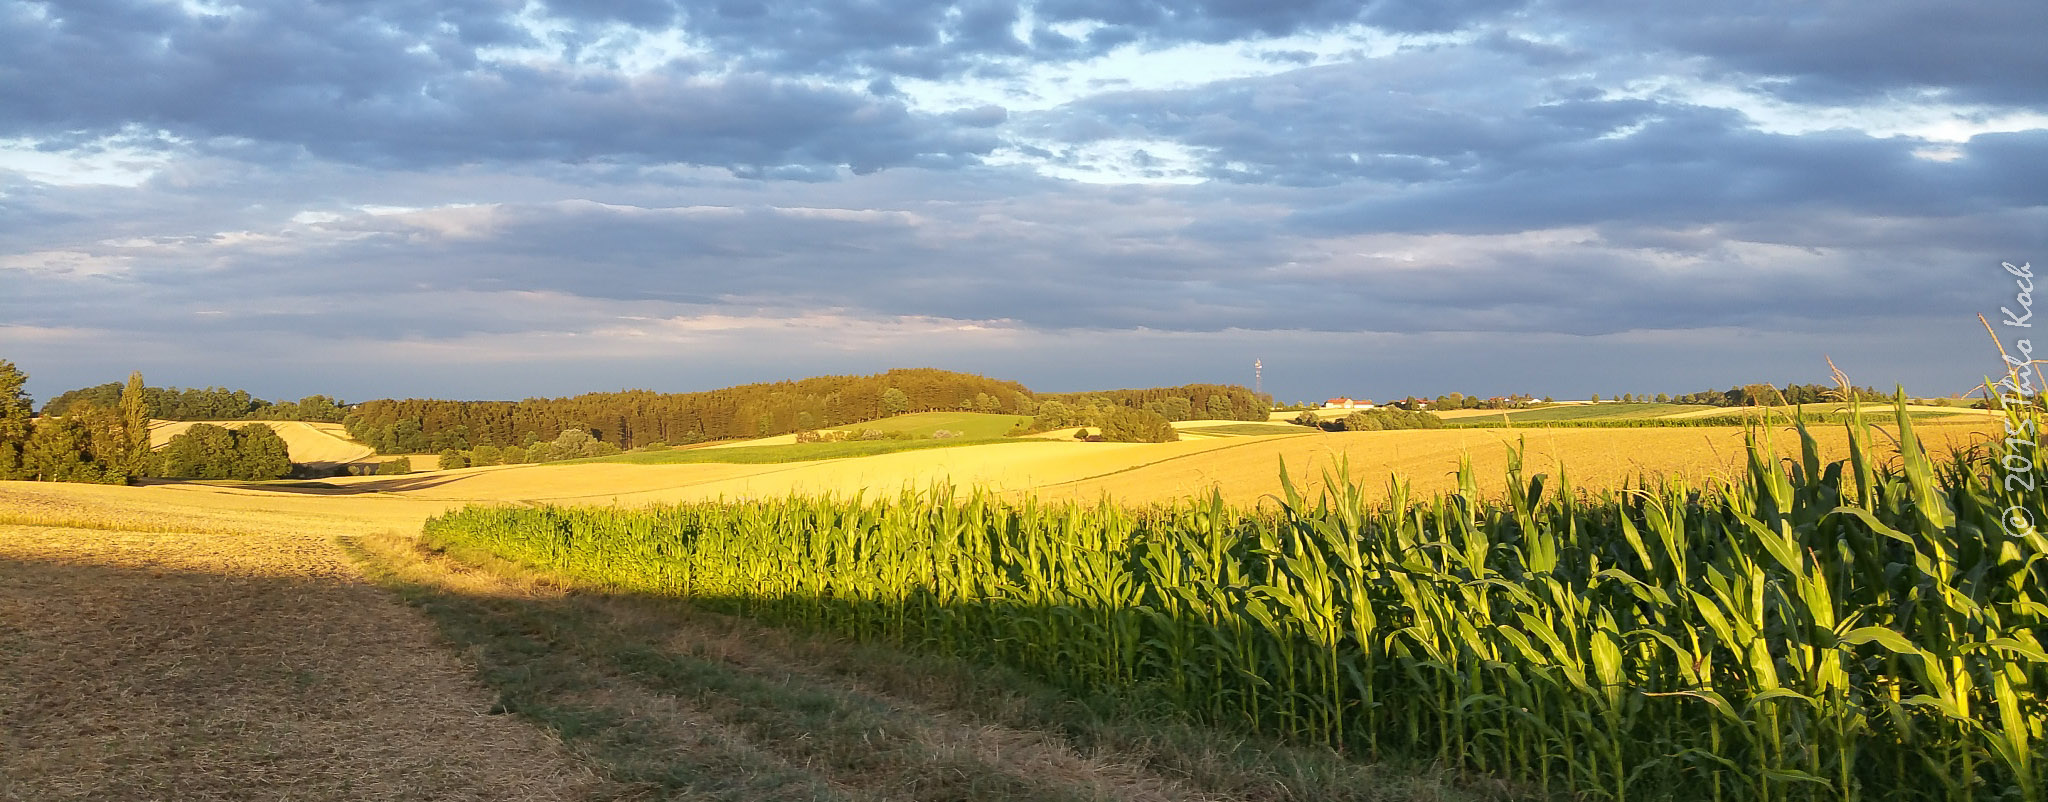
pixel 1077 193
pixel 410 90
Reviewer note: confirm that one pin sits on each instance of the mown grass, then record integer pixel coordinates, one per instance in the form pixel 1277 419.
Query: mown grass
pixel 792 452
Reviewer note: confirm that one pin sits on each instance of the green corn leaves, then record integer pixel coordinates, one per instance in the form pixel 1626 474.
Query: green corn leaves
pixel 1781 638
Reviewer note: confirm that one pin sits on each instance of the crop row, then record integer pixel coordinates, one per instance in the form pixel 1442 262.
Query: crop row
pixel 1862 629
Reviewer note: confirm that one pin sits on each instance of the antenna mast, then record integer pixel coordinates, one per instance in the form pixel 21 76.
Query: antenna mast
pixel 1258 377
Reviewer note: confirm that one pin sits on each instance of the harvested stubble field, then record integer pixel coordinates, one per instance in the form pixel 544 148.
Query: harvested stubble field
pixel 308 442
pixel 158 643
pixel 207 641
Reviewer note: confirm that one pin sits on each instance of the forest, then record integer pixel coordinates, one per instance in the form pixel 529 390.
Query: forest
pixel 639 418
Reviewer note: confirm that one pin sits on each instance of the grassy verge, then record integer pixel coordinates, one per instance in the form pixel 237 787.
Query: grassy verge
pixel 686 703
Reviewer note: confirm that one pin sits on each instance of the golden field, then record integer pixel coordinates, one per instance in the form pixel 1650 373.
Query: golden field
pixel 215 641
pixel 1244 468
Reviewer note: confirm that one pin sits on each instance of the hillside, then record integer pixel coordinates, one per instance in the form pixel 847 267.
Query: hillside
pixel 636 418
pixel 308 443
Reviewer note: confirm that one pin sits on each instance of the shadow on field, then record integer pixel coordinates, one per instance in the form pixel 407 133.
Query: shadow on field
pixel 149 681
pixel 695 698
pixel 315 487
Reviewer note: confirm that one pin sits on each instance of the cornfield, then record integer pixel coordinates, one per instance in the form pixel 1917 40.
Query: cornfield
pixel 1864 629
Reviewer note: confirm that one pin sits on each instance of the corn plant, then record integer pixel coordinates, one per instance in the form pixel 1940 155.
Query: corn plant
pixel 1863 629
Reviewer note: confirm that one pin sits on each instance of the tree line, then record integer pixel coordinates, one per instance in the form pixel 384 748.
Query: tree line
pixel 95 443
pixel 636 418
pixel 640 418
pixel 193 403
pixel 1109 410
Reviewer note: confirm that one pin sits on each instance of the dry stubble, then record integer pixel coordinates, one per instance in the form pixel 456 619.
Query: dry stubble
pixel 245 661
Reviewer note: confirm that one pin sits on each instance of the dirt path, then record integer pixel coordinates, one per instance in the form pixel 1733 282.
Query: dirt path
pixel 200 643
pixel 690 703
pixel 247 660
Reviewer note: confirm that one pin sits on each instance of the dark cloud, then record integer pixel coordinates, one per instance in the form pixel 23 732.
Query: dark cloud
pixel 1537 198
pixel 407 89
pixel 1847 51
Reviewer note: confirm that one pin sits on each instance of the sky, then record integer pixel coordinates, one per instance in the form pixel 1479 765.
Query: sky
pixel 517 198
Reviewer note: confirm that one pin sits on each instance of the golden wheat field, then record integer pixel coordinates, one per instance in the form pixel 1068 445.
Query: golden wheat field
pixel 308 442
pixel 1244 469
pixel 214 641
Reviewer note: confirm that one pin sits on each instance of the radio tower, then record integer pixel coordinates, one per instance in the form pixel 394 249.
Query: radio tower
pixel 1258 377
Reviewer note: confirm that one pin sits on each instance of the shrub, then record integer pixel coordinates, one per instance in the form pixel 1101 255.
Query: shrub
pixel 944 434
pixel 397 467
pixel 1380 419
pixel 1126 425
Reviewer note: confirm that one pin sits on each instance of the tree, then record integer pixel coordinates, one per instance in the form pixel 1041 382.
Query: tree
pixel 397 467
pixel 204 451
pixel 452 459
pixel 260 454
pixel 15 411
pixel 1218 407
pixel 60 450
pixel 135 425
pixel 983 402
pixel 1127 425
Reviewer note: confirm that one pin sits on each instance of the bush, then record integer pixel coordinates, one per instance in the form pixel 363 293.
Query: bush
pixel 205 451
pixel 452 459
pixel 1126 425
pixel 944 434
pixel 397 467
pixel 1383 419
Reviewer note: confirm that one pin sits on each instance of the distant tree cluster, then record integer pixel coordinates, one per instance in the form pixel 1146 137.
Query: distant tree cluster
pixel 1188 402
pixel 1757 395
pixel 211 403
pixel 1463 401
pixel 106 443
pixel 637 417
pixel 1372 420
pixel 205 451
pixel 1127 425
pixel 570 444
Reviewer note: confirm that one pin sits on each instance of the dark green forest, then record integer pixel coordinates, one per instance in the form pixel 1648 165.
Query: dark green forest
pixel 638 418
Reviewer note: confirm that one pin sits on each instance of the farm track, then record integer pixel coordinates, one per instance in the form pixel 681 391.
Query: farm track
pixel 247 660
pixel 675 700
pixel 183 642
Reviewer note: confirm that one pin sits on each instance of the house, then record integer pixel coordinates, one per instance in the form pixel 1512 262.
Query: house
pixel 1349 403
